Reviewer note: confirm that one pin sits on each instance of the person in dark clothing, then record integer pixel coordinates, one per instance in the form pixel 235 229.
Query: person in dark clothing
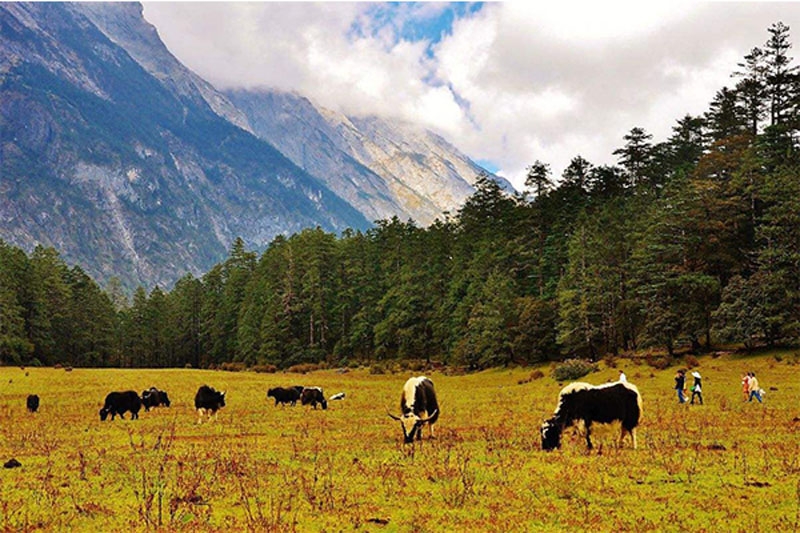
pixel 697 389
pixel 680 384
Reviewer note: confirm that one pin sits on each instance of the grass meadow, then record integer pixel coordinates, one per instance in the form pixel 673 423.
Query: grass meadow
pixel 724 466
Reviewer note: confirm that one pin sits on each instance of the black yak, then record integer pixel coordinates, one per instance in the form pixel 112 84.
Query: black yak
pixel 208 401
pixel 588 403
pixel 33 403
pixel 117 403
pixel 153 397
pixel 285 395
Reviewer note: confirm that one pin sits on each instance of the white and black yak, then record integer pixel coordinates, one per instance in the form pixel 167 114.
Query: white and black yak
pixel 418 406
pixel 582 402
pixel 313 396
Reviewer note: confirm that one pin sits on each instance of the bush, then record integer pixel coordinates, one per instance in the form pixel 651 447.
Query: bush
pixel 264 369
pixel 659 362
pixel 233 367
pixel 187 365
pixel 304 368
pixel 377 369
pixel 691 361
pixel 572 369
pixel 536 374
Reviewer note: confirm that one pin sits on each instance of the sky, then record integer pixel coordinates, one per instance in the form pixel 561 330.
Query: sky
pixel 507 83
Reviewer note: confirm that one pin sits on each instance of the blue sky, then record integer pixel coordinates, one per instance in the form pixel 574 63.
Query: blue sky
pixel 414 21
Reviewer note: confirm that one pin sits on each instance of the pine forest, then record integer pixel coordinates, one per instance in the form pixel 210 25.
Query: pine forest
pixel 684 245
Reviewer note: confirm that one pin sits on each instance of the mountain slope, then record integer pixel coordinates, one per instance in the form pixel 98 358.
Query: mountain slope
pixel 127 171
pixel 382 167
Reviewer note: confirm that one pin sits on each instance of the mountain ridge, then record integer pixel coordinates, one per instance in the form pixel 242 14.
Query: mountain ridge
pixel 132 166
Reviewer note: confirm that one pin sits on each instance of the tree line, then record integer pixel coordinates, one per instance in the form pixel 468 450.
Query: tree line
pixel 683 244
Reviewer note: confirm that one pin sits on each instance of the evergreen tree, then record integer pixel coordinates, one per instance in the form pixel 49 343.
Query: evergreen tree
pixel 725 117
pixel 751 88
pixel 538 179
pixel 636 156
pixel 779 74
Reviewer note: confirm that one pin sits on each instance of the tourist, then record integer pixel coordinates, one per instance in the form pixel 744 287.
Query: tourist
pixel 680 384
pixel 755 389
pixel 697 389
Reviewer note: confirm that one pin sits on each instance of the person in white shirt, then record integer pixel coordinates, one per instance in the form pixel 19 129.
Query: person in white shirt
pixel 622 377
pixel 697 388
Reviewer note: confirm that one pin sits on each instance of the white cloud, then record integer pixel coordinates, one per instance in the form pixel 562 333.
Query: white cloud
pixel 513 83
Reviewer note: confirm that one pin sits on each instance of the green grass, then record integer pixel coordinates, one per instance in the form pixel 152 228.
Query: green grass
pixel 724 466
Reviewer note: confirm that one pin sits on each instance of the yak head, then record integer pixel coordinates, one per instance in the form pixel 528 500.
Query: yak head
pixel 551 434
pixel 104 413
pixel 412 425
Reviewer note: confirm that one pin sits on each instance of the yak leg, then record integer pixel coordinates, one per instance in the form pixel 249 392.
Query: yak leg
pixel 431 428
pixel 633 436
pixel 587 424
pixel 200 415
pixel 622 431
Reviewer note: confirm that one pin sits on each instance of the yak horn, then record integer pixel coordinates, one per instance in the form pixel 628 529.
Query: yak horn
pixel 393 416
pixel 431 415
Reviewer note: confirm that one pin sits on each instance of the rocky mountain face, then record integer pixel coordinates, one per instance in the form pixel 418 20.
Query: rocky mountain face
pixel 382 167
pixel 133 166
pixel 126 162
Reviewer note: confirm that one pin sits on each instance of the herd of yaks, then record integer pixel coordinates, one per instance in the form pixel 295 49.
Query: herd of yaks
pixel 577 402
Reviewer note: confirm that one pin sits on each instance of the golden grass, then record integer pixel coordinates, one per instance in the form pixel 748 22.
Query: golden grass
pixel 724 466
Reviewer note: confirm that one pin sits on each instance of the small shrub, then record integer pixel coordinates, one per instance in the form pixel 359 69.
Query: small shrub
pixel 691 361
pixel 572 369
pixel 659 362
pixel 377 369
pixel 58 366
pixel 304 368
pixel 187 366
pixel 536 374
pixel 610 361
pixel 454 371
pixel 264 369
pixel 233 367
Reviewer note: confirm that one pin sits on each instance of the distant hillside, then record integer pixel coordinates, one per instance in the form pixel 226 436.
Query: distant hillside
pixel 382 167
pixel 125 161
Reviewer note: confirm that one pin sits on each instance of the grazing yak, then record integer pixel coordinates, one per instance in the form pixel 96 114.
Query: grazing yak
pixel 33 403
pixel 208 401
pixel 284 396
pixel 153 397
pixel 582 402
pixel 118 402
pixel 418 407
pixel 313 396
